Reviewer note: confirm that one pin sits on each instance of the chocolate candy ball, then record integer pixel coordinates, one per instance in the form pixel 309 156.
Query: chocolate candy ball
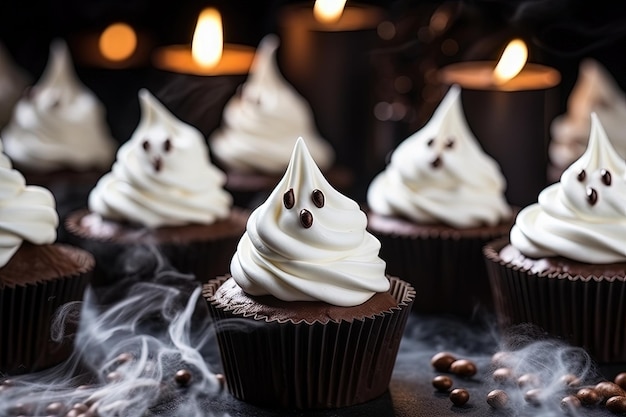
pixel 620 379
pixel 608 389
pixel 588 396
pixel 616 404
pixel 463 367
pixel 533 396
pixel 459 396
pixel 442 361
pixel 528 381
pixel 503 375
pixel 570 380
pixel 442 382
pixel 497 399
pixel 569 403
pixel 183 377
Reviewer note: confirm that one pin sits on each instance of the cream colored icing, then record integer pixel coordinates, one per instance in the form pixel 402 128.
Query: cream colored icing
pixel 163 174
pixel 261 124
pixel 13 81
pixel 440 174
pixel 595 91
pixel 27 212
pixel 59 124
pixel 335 260
pixel 582 217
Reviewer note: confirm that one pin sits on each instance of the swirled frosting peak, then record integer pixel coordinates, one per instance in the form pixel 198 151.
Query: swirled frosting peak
pixel 59 123
pixel 27 213
pixel 260 125
pixel 163 175
pixel 582 217
pixel 309 242
pixel 440 174
pixel 595 91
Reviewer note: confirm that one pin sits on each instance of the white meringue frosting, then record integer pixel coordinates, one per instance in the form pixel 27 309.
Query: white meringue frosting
pixel 440 174
pixel 27 212
pixel 59 124
pixel 260 125
pixel 163 175
pixel 582 217
pixel 308 242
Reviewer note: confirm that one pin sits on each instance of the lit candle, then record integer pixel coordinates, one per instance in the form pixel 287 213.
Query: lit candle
pixel 509 105
pixel 325 53
pixel 207 55
pixel 198 79
pixel 118 46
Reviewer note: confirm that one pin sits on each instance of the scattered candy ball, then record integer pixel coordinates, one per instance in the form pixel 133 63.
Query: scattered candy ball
pixel 113 376
pixel 620 379
pixel 459 396
pixel 570 380
pixel 442 382
pixel 501 358
pixel 503 375
pixel 528 381
pixel 497 399
pixel 569 403
pixel 124 358
pixel 533 396
pixel 55 408
pixel 588 396
pixel 608 389
pixel 220 379
pixel 442 361
pixel 463 367
pixel 182 377
pixel 616 404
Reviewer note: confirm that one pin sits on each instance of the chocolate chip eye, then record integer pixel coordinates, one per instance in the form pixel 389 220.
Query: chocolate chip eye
pixel 592 196
pixel 318 198
pixel 167 145
pixel 430 142
pixel 606 177
pixel 288 199
pixel 582 175
pixel 306 218
pixel 450 143
pixel 436 163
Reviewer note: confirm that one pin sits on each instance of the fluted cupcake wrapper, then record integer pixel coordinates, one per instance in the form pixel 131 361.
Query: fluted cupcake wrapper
pixel 448 271
pixel 26 316
pixel 584 311
pixel 309 366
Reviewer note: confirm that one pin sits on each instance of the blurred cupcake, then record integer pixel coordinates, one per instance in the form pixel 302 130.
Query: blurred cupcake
pixel 37 276
pixel 163 190
pixel 259 129
pixel 564 266
pixel 307 278
pixel 439 200
pixel 13 81
pixel 595 91
pixel 58 136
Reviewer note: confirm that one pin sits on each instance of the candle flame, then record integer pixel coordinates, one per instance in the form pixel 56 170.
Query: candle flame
pixel 511 62
pixel 208 38
pixel 328 11
pixel 117 42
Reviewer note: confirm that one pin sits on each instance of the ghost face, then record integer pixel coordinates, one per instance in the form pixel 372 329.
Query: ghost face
pixel 305 215
pixel 598 193
pixel 156 152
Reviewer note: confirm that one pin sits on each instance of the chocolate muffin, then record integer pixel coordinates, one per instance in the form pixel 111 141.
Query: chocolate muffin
pixel 436 204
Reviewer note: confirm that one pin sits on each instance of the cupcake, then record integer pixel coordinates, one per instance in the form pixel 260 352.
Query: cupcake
pixel 58 136
pixel 163 190
pixel 563 266
pixel 259 128
pixel 595 91
pixel 13 81
pixel 308 319
pixel 37 275
pixel 434 206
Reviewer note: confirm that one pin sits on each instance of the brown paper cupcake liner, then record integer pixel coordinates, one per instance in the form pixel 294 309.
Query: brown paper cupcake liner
pixel 584 311
pixel 26 315
pixel 191 252
pixel 309 366
pixel 448 272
